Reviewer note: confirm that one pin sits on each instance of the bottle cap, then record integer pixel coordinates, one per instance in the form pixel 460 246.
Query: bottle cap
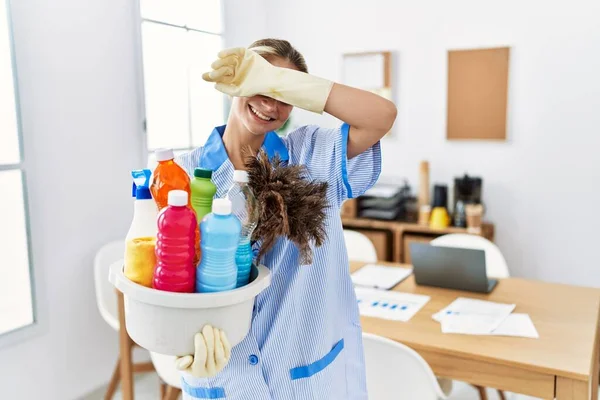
pixel 142 193
pixel 221 206
pixel 178 198
pixel 164 154
pixel 203 173
pixel 240 176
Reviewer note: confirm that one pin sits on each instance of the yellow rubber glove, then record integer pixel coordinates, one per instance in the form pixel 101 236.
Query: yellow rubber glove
pixel 243 73
pixel 212 352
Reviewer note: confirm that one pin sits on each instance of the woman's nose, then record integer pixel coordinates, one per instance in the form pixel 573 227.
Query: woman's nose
pixel 268 103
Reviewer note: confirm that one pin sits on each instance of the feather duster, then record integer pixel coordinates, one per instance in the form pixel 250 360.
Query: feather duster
pixel 289 204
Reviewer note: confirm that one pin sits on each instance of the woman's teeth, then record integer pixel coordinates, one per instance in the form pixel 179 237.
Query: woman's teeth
pixel 260 115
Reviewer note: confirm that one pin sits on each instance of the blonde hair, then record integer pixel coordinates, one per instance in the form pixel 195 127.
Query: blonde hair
pixel 280 48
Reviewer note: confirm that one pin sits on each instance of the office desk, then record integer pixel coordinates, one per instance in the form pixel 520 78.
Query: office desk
pixel 562 363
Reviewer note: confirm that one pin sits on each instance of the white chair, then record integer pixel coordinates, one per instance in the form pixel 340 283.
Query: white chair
pixel 108 305
pixel 494 260
pixel 169 375
pixel 359 247
pixel 395 371
pixel 495 265
pixel 106 298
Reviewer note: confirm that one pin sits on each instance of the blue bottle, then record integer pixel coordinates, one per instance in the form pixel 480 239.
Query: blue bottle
pixel 217 270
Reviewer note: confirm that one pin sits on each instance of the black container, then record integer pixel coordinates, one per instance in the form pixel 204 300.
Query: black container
pixel 440 196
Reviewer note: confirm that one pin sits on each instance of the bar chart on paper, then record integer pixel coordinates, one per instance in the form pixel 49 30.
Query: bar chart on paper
pixel 389 305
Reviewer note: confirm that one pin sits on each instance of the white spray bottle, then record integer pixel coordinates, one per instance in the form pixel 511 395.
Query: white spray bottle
pixel 145 211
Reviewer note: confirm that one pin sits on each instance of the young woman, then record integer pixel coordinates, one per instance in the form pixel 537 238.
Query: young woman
pixel 305 339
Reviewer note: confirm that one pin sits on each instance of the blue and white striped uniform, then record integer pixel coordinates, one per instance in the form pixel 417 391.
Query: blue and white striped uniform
pixel 305 339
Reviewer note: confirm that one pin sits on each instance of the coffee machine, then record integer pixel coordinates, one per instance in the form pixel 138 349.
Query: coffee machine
pixel 467 190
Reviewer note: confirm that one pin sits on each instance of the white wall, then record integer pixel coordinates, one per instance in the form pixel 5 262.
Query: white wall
pixel 541 186
pixel 245 21
pixel 77 85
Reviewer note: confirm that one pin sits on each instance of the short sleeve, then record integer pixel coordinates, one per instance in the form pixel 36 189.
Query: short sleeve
pixel 324 153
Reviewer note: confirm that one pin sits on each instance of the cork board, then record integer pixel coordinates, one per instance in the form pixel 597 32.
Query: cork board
pixel 477 94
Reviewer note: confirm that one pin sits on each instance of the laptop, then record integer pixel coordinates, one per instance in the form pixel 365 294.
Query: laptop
pixel 450 267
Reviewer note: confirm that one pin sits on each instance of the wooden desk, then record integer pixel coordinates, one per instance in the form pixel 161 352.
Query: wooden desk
pixel 562 363
pixel 391 238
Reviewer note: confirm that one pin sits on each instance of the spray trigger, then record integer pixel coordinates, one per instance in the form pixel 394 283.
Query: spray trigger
pixel 141 184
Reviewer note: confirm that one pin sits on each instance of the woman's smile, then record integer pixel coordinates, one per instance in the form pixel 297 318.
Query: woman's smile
pixel 260 116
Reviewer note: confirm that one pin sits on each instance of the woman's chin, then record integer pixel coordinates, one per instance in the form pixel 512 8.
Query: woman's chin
pixel 260 129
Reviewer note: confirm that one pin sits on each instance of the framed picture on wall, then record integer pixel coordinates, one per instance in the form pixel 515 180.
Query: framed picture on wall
pixel 370 71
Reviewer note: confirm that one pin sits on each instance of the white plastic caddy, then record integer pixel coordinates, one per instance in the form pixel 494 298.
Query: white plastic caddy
pixel 166 322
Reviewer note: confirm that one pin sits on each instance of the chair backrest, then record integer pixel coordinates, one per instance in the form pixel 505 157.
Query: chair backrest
pixel 359 247
pixel 165 368
pixel 395 371
pixel 106 297
pixel 494 260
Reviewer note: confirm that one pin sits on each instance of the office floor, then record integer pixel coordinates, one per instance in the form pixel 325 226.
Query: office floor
pixel 146 388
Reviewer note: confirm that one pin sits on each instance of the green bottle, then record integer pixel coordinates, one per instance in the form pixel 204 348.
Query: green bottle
pixel 203 191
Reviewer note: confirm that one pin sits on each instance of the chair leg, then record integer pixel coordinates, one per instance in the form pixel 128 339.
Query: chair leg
pixel 172 393
pixel 141 368
pixel 163 389
pixel 114 381
pixel 482 393
pixel 125 346
pixel 501 394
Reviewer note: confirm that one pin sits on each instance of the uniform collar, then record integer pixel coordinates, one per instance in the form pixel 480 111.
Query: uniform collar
pixel 214 153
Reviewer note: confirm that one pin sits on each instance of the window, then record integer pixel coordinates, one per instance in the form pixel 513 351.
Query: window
pixel 16 300
pixel 180 39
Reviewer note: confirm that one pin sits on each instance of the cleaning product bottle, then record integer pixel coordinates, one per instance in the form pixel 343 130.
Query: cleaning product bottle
pixel 244 207
pixel 217 271
pixel 168 176
pixel 139 260
pixel 175 246
pixel 203 191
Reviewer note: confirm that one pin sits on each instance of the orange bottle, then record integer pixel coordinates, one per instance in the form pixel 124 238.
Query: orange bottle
pixel 168 176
